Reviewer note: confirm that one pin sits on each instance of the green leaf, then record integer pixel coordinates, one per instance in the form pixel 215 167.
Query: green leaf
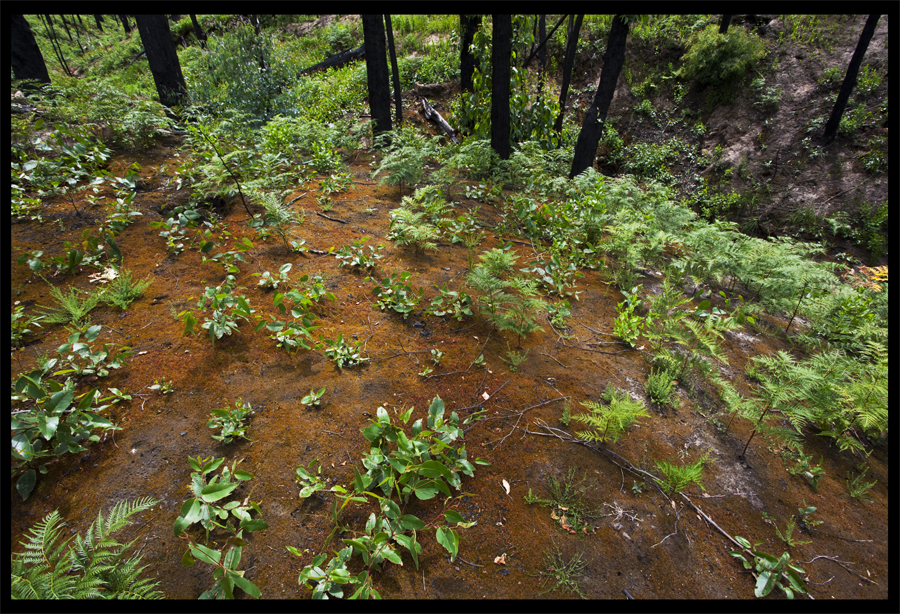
pixel 243 475
pixel 765 583
pixel 25 484
pixel 410 522
pixel 47 425
pixel 391 555
pixel 433 469
pixel 391 509
pixel 60 401
pixel 254 525
pixel 449 540
pixel 247 586
pixel 454 517
pixel 187 560
pixel 214 492
pixel 207 555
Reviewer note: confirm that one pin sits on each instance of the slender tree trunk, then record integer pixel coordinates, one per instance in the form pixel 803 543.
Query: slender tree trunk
pixel 198 32
pixel 77 35
pixel 501 50
pixel 542 48
pixel 592 128
pixel 840 104
pixel 723 25
pixel 124 20
pixel 469 24
pixel 398 102
pixel 62 18
pixel 99 20
pixel 54 42
pixel 27 59
pixel 254 19
pixel 162 57
pixel 567 72
pixel 80 22
pixel 377 73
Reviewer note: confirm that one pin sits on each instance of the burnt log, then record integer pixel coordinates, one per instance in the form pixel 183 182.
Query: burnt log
pixel 430 113
pixel 336 61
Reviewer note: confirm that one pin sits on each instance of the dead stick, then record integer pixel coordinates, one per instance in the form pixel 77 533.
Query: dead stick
pixel 486 400
pixel 333 219
pixel 557 362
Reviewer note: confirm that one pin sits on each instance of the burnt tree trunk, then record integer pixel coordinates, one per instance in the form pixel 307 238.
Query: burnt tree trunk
pixel 198 32
pixel 338 60
pixel 469 24
pixel 99 20
pixel 723 25
pixel 567 72
pixel 162 57
pixel 592 128
pixel 840 104
pixel 124 20
pixel 501 50
pixel 54 42
pixel 27 60
pixel 398 101
pixel 377 73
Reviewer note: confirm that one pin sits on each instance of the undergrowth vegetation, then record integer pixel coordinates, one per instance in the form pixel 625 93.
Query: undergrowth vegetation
pixel 655 229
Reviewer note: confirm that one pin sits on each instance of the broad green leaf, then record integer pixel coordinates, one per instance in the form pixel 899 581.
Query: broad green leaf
pixel 391 555
pixel 243 475
pixel 60 401
pixel 25 484
pixel 247 586
pixel 207 555
pixel 765 583
pixel 47 425
pixel 214 492
pixel 454 517
pixel 391 509
pixel 187 560
pixel 435 469
pixel 410 522
pixel 254 525
pixel 449 540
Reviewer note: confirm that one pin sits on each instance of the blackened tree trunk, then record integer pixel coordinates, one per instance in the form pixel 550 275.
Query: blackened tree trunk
pixel 592 128
pixel 162 57
pixel 469 24
pixel 124 20
pixel 54 42
pixel 62 18
pixel 567 71
pixel 501 50
pixel 254 19
pixel 849 80
pixel 198 32
pixel 723 25
pixel 99 20
pixel 542 49
pixel 398 102
pixel 377 73
pixel 27 60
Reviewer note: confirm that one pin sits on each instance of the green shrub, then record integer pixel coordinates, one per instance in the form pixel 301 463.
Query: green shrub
pixel 722 60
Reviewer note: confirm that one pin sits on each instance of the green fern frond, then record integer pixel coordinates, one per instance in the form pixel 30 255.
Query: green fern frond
pixel 610 421
pixel 89 567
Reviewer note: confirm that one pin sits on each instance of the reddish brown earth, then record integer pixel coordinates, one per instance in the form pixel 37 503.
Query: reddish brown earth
pixel 637 552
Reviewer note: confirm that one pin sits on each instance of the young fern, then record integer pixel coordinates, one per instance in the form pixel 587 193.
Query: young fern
pixel 89 567
pixel 610 421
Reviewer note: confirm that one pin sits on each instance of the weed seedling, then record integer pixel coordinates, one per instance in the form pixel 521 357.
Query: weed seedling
pixel 771 571
pixel 564 575
pixel 514 358
pixel 231 421
pixel 857 486
pixel 313 398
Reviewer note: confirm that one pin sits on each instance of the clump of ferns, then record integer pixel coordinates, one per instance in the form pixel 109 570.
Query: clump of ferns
pixel 416 221
pixel 89 567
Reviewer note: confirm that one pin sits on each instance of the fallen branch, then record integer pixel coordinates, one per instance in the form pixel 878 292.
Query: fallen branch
pixel 338 60
pixel 434 116
pixel 333 219
pixel 833 559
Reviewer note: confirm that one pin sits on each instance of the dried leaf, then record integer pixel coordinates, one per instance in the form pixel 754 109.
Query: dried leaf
pixel 553 515
pixel 485 396
pixel 500 560
pixel 506 486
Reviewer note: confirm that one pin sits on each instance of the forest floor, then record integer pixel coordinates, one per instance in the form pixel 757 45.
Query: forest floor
pixel 642 544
